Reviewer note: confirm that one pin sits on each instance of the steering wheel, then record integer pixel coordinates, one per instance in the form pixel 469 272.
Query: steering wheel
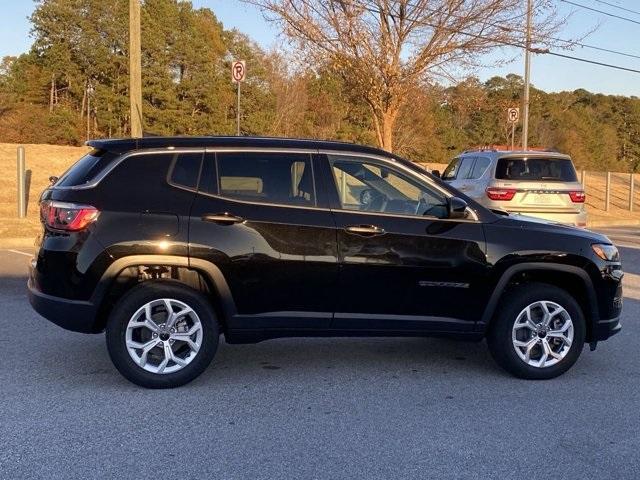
pixel 372 200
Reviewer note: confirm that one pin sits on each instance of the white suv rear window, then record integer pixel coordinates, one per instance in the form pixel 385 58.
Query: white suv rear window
pixel 543 169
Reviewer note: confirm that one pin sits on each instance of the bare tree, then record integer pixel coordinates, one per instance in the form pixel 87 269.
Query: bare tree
pixel 383 48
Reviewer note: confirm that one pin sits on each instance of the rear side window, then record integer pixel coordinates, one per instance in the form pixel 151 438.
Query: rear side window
pixel 458 169
pixel 464 171
pixel 85 170
pixel 479 168
pixel 185 170
pixel 285 179
pixel 543 169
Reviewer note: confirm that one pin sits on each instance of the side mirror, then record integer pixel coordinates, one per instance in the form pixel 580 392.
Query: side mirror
pixel 436 173
pixel 53 179
pixel 456 208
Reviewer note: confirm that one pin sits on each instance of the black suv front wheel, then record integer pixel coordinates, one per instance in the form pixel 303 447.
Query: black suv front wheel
pixel 538 331
pixel 162 334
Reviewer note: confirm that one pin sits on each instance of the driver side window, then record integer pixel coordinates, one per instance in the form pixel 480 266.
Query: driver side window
pixel 367 186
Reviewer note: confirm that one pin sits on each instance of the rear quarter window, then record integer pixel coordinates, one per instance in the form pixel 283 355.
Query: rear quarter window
pixel 85 170
pixel 533 169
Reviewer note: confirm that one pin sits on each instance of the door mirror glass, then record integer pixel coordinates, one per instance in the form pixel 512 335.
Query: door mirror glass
pixel 457 207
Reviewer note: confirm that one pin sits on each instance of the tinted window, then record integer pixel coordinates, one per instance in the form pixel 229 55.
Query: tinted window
pixel 208 177
pixel 464 171
pixel 86 169
pixel 266 178
pixel 370 187
pixel 480 167
pixel 544 169
pixel 140 182
pixel 186 169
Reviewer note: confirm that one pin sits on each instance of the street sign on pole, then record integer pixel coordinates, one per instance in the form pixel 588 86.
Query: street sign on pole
pixel 238 75
pixel 238 71
pixel 513 115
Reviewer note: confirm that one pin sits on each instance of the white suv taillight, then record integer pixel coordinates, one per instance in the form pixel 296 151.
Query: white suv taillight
pixel 506 194
pixel 577 196
pixel 69 217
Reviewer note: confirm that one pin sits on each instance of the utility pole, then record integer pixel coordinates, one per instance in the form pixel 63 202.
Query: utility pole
pixel 527 79
pixel 135 69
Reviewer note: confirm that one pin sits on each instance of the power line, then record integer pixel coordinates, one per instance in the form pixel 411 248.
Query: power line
pixel 593 47
pixel 586 60
pixel 542 51
pixel 563 40
pixel 635 12
pixel 601 11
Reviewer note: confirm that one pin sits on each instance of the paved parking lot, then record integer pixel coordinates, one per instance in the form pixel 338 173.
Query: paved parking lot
pixel 315 408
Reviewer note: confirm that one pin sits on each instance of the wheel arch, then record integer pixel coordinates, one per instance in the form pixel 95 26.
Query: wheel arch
pixel 108 290
pixel 574 280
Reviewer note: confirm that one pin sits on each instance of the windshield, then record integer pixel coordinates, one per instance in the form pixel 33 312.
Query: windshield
pixel 544 169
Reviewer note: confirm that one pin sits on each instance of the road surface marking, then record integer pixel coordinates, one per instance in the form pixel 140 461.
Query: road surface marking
pixel 21 253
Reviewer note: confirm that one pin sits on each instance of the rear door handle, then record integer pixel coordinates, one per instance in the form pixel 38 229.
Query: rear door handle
pixel 222 218
pixel 365 230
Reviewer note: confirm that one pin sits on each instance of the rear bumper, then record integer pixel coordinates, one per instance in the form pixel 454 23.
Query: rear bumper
pixel 606 328
pixel 74 315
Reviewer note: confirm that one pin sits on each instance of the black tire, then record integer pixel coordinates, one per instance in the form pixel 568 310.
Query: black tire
pixel 134 300
pixel 499 336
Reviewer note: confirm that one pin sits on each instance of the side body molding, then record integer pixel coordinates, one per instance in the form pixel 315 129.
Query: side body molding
pixel 592 315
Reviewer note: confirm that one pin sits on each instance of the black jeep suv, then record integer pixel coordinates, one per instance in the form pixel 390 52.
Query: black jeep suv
pixel 166 243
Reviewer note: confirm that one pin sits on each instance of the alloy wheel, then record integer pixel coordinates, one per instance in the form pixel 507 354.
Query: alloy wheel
pixel 164 336
pixel 542 334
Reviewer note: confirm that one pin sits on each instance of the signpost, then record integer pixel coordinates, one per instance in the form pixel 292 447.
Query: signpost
pixel 238 75
pixel 513 115
pixel 22 183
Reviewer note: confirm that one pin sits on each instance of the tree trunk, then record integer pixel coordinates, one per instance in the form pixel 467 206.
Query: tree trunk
pixel 52 92
pixel 384 122
pixel 84 101
pixel 388 122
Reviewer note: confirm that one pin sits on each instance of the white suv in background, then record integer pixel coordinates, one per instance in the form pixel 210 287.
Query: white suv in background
pixel 535 183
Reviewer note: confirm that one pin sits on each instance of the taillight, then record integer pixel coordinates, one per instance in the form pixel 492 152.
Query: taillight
pixel 495 193
pixel 577 196
pixel 70 217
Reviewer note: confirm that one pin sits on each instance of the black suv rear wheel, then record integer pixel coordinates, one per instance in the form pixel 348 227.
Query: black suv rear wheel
pixel 162 334
pixel 538 331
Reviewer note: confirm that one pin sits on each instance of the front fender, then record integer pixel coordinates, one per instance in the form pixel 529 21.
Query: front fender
pixel 592 313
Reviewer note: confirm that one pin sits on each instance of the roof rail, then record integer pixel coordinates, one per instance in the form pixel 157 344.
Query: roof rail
pixel 506 148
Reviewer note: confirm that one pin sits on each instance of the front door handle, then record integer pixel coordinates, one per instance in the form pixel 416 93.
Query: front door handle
pixel 365 230
pixel 222 218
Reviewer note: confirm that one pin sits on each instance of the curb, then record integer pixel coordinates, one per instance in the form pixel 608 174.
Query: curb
pixel 613 223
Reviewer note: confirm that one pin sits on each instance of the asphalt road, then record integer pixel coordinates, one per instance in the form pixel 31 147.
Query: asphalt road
pixel 315 408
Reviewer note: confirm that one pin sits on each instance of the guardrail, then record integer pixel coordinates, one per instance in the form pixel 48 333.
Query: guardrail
pixel 607 190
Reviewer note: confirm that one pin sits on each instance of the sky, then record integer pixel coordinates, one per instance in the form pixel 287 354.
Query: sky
pixel 547 73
